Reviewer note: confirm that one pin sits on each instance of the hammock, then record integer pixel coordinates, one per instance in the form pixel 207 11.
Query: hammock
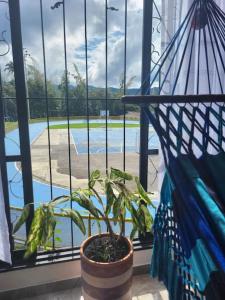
pixel 193 61
pixel 189 247
pixel 189 228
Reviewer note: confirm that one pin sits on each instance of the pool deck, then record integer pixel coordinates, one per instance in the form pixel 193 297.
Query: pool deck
pixel 79 170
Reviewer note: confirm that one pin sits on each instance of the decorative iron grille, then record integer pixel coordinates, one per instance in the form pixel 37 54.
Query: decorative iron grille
pixel 36 167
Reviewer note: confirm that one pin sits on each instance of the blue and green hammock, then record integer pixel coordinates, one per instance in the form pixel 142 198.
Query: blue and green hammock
pixel 189 229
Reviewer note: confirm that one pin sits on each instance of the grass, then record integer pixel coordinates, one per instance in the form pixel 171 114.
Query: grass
pixel 9 126
pixel 92 125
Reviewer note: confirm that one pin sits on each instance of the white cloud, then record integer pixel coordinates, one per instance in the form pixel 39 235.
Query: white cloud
pixel 54 44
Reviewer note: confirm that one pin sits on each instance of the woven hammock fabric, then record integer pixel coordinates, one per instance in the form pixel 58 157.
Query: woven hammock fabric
pixel 189 229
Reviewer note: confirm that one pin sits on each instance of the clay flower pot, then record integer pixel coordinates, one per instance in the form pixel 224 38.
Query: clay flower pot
pixel 111 281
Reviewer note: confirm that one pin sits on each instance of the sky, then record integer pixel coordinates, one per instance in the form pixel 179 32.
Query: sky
pixel 75 38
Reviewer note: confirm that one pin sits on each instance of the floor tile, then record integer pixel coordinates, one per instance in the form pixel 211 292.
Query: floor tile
pixel 143 288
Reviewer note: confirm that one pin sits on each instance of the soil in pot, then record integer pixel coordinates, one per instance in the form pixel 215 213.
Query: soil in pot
pixel 106 249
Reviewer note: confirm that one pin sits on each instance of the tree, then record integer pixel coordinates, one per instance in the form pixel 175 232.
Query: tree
pixel 10 109
pixel 64 91
pixel 9 67
pixel 78 104
pixel 57 96
pixel 116 107
pixel 36 93
pixel 8 89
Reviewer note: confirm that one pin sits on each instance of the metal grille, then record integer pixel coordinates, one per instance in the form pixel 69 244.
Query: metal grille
pixel 20 60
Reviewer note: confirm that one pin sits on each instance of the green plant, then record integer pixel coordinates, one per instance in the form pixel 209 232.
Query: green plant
pixel 119 201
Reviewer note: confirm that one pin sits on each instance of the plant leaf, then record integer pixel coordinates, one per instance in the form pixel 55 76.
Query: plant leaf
pixel 110 197
pixel 76 218
pixel 134 215
pixel 117 174
pixel 148 217
pixel 22 219
pixel 122 188
pixel 58 239
pixel 95 175
pixel 36 234
pixel 59 200
pixel 142 193
pixel 85 202
pixel 50 222
pixel 133 232
pixel 117 207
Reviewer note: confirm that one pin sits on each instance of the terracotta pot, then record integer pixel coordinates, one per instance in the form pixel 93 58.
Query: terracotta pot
pixel 111 281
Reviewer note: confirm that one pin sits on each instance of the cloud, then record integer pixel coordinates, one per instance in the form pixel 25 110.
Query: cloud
pixel 75 38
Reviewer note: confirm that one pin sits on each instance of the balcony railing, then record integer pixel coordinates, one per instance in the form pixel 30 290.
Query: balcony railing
pixel 37 168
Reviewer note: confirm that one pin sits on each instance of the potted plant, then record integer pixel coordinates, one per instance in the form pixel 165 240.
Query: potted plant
pixel 106 258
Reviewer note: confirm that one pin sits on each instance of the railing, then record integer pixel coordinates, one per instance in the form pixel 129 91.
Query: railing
pixel 71 97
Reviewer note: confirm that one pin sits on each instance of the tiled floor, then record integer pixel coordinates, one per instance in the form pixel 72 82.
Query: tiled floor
pixel 144 288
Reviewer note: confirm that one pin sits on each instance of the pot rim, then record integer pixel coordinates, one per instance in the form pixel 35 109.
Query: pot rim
pixel 88 240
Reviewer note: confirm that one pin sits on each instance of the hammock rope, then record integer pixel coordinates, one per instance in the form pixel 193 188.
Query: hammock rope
pixel 189 228
pixel 203 32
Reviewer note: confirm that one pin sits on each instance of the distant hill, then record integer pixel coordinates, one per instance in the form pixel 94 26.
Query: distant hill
pixel 113 90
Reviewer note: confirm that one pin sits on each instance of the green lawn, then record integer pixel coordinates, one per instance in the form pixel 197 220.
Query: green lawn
pixel 92 125
pixel 9 126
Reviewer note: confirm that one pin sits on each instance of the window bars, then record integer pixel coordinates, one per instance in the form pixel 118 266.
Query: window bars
pixel 59 9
